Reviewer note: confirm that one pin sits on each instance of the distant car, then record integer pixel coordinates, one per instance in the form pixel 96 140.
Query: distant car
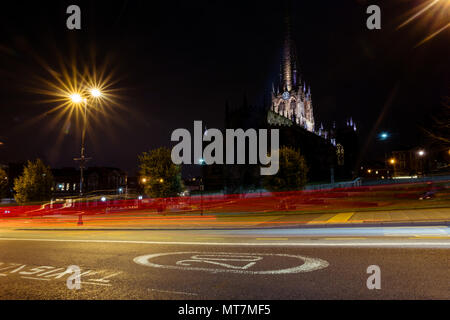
pixel 427 195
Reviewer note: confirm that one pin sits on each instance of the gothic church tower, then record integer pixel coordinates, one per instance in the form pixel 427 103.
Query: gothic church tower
pixel 291 101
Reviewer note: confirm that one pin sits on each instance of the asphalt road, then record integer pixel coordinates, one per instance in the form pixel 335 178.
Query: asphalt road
pixel 225 264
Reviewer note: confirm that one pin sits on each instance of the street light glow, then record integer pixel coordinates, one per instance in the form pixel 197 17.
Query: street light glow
pixel 384 135
pixel 421 153
pixel 76 98
pixel 95 92
pixel 392 161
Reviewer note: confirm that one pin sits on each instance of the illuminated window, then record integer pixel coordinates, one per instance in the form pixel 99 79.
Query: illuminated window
pixel 340 154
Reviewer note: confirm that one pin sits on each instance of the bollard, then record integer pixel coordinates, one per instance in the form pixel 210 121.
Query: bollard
pixel 80 220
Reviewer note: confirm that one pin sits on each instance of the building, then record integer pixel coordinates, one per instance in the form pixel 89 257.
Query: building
pixel 291 100
pixel 411 162
pixel 329 154
pixel 97 179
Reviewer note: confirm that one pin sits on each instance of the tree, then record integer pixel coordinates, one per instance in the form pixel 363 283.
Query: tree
pixel 35 184
pixel 440 129
pixel 162 177
pixel 3 184
pixel 292 173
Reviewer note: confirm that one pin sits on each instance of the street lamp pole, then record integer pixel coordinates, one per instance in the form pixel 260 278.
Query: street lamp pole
pixel 83 156
pixel 76 98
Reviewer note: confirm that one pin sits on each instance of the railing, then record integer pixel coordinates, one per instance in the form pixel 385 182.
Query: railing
pixel 337 185
pixel 400 180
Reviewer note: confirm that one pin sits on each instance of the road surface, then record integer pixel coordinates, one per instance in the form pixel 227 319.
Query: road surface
pixel 294 263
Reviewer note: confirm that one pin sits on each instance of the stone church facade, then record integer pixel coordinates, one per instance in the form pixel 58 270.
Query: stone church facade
pixel 291 100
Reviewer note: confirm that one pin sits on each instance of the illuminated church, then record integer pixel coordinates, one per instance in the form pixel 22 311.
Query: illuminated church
pixel 291 110
pixel 329 153
pixel 291 99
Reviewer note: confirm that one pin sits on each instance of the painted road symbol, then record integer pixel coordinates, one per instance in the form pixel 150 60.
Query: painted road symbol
pixel 231 262
pixel 51 273
pixel 215 258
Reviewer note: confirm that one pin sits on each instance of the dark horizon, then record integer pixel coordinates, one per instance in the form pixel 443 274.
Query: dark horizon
pixel 178 62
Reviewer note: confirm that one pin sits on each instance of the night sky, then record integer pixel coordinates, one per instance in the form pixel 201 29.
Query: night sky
pixel 180 61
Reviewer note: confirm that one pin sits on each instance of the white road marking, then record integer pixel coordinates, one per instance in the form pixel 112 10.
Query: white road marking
pixel 98 284
pixel 215 258
pixel 177 292
pixel 309 264
pixel 36 278
pixel 51 271
pixel 103 280
pixel 42 273
pixel 20 268
pixel 315 243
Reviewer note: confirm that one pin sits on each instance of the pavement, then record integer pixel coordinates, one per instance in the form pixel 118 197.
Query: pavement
pixel 230 220
pixel 266 263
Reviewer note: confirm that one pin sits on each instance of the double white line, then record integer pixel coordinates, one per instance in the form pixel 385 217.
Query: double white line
pixel 313 243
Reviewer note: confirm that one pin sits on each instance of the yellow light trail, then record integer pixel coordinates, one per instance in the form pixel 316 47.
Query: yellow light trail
pixel 433 2
pixel 432 35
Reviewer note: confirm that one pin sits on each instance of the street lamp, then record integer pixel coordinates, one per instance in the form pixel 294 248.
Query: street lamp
pixel 383 135
pixel 95 92
pixel 393 161
pixel 76 98
pixel 421 154
pixel 201 162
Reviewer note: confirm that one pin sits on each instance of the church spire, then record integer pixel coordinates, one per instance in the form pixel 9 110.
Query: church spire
pixel 287 55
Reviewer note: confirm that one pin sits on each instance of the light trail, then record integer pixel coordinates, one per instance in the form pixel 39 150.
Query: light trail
pixel 314 243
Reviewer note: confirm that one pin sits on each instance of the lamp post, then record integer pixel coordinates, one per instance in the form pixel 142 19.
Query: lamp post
pixel 421 154
pixel 393 161
pixel 384 136
pixel 201 161
pixel 77 99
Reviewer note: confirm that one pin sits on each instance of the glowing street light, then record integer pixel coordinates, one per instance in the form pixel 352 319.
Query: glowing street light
pixel 95 92
pixel 144 180
pixel 392 161
pixel 383 135
pixel 77 99
pixel 421 153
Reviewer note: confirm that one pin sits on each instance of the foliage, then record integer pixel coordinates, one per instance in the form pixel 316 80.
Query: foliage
pixel 440 130
pixel 162 177
pixel 35 184
pixel 3 184
pixel 292 173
